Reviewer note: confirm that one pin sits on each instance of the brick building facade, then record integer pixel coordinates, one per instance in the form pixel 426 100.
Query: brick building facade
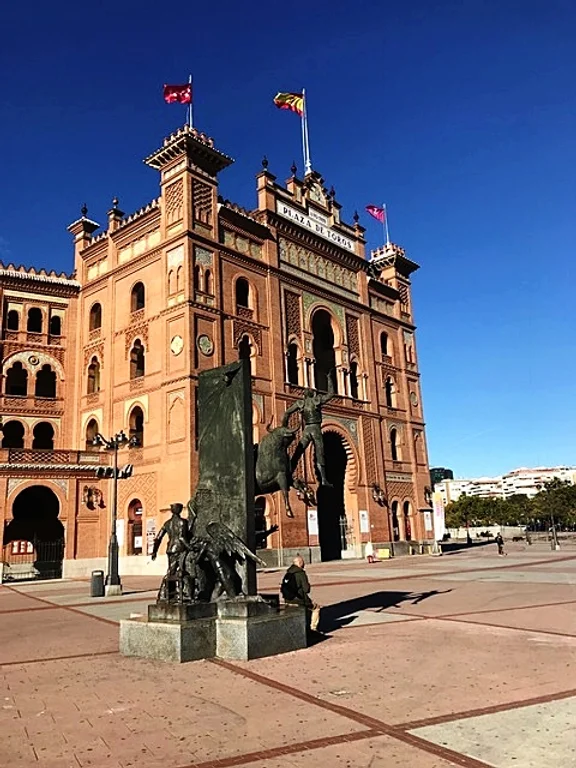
pixel 189 282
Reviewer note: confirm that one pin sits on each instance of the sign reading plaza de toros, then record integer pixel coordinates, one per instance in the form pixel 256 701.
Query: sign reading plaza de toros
pixel 316 223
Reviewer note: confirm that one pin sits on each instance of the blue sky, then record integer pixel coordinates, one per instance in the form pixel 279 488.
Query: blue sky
pixel 460 115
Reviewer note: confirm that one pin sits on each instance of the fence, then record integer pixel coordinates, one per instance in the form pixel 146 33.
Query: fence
pixel 26 560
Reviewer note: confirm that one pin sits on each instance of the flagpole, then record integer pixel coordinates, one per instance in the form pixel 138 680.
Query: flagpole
pixel 386 233
pixel 190 115
pixel 305 138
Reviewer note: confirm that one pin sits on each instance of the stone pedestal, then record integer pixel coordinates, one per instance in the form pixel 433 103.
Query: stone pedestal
pixel 252 637
pixel 168 641
pixel 247 628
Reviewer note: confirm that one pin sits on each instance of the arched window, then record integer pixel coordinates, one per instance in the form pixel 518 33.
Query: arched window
pixel 45 382
pixel 242 293
pixel 17 381
pixel 197 277
pixel 92 430
pixel 395 523
pixel 137 360
pixel 34 320
pixel 407 521
pixel 93 384
pixel 171 282
pixel 55 326
pixel 323 349
pixel 180 278
pixel 244 348
pixel 135 527
pixel 137 298
pixel 394 444
pixel 43 436
pixel 95 317
pixel 136 423
pixel 390 392
pixel 208 282
pixel 13 435
pixel 292 363
pixel 354 380
pixel 384 344
pixel 13 320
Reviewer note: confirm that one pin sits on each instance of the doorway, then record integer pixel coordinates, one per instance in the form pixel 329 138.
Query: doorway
pixel 135 527
pixel 332 521
pixel 34 538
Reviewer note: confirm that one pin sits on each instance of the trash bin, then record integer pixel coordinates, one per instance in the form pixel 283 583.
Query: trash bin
pixel 97 584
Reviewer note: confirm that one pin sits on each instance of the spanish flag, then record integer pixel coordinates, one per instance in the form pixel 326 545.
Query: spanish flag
pixel 292 101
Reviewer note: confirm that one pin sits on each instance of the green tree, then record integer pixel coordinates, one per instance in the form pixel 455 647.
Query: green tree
pixel 556 502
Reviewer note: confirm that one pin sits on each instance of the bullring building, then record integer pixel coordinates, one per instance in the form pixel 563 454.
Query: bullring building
pixel 189 282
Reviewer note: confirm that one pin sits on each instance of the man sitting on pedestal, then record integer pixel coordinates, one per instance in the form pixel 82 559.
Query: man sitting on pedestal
pixel 295 590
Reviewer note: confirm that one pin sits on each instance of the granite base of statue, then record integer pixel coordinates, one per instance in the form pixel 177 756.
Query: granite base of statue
pixel 208 605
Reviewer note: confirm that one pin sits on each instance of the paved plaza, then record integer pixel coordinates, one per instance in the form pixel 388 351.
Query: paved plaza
pixel 467 659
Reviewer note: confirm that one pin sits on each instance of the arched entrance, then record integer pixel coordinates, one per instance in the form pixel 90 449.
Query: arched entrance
pixel 332 524
pixel 34 538
pixel 35 521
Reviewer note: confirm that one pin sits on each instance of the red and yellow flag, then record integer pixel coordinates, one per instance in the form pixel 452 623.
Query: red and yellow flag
pixel 178 94
pixel 292 101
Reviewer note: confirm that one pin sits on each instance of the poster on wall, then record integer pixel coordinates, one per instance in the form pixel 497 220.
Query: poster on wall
pixel 364 521
pixel 439 524
pixel 150 535
pixel 428 520
pixel 312 522
pixel 120 528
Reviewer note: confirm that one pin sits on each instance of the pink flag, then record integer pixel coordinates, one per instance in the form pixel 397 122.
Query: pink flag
pixel 378 213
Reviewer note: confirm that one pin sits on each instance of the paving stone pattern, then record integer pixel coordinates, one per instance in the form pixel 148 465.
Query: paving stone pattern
pixel 467 659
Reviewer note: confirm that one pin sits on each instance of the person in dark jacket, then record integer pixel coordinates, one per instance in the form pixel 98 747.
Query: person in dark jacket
pixel 296 591
pixel 500 542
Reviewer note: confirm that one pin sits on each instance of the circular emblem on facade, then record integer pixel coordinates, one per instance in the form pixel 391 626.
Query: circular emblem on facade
pixel 33 360
pixel 177 345
pixel 205 344
pixel 414 398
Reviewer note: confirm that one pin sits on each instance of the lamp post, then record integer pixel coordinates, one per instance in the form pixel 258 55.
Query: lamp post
pixel 113 583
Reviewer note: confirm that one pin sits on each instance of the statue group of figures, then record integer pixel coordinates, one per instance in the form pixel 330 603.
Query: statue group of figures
pixel 202 568
pixel 274 468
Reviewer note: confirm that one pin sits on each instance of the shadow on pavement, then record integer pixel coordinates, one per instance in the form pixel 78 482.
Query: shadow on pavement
pixel 453 547
pixel 338 615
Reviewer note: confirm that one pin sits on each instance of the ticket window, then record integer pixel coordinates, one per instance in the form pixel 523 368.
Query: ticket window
pixel 135 528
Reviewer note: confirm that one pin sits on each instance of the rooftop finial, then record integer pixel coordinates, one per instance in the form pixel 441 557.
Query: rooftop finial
pixel 115 202
pixel 332 192
pixel 84 210
pixel 265 163
pixel 293 168
pixel 356 217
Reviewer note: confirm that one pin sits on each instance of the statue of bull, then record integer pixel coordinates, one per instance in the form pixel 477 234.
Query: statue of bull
pixel 273 471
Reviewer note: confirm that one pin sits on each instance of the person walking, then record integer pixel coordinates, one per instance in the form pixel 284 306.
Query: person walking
pixel 295 590
pixel 500 542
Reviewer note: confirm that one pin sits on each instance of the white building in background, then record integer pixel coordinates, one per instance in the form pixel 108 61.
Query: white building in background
pixel 518 481
pixel 531 481
pixel 485 487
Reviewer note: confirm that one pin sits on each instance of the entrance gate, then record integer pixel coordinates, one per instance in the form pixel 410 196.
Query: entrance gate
pixel 26 560
pixel 33 542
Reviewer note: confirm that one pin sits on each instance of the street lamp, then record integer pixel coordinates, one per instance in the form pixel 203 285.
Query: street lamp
pixel 113 583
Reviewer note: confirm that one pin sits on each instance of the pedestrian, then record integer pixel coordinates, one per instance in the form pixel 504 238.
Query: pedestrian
pixel 500 542
pixel 295 590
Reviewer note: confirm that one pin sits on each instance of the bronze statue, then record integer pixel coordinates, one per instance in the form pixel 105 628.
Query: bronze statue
pixel 310 406
pixel 200 568
pixel 177 583
pixel 273 470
